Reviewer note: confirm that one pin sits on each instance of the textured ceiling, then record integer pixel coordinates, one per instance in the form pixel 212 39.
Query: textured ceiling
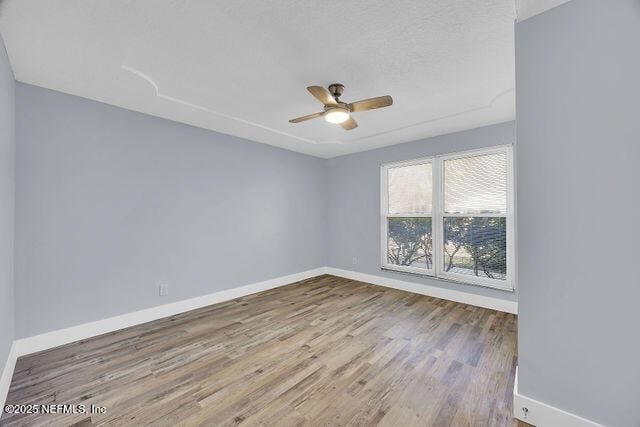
pixel 241 67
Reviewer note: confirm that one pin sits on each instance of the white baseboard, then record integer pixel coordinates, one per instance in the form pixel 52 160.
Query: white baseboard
pixel 540 414
pixel 433 291
pixel 87 330
pixel 7 374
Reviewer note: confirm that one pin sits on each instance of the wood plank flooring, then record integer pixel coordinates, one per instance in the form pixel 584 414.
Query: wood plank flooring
pixel 325 351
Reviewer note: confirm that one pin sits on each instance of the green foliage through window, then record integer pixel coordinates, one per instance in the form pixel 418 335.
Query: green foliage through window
pixel 476 246
pixel 409 242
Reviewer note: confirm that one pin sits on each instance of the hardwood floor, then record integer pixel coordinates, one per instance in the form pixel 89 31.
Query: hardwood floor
pixel 325 351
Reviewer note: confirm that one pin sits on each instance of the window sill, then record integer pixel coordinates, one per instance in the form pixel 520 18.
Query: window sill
pixel 507 287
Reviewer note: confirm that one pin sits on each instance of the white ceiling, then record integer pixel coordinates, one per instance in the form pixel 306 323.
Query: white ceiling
pixel 525 9
pixel 241 67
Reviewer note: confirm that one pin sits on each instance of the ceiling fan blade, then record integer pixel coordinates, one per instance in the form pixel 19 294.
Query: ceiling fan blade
pixel 349 124
pixel 371 103
pixel 322 95
pixel 305 118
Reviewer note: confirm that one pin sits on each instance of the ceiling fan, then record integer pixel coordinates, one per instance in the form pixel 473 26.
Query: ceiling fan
pixel 336 111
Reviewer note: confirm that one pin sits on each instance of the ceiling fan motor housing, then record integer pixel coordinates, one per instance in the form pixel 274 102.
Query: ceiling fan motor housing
pixel 336 90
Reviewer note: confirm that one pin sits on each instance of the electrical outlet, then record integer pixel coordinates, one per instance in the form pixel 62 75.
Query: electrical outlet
pixel 163 290
pixel 354 260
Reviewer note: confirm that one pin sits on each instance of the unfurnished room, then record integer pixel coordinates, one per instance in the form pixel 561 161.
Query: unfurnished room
pixel 319 213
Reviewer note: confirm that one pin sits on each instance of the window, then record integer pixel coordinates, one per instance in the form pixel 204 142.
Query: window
pixel 409 219
pixel 450 217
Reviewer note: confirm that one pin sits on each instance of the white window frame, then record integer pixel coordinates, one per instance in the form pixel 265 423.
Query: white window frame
pixel 437 219
pixel 385 209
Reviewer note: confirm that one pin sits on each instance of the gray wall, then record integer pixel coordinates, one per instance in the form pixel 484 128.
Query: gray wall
pixel 113 203
pixel 354 201
pixel 578 103
pixel 7 147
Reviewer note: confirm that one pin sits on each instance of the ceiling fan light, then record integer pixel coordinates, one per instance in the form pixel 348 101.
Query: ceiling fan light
pixel 336 115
